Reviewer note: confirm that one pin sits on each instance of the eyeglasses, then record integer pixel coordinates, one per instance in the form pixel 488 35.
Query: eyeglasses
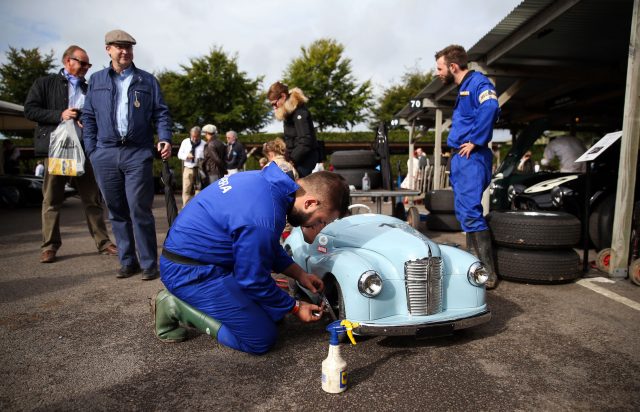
pixel 81 63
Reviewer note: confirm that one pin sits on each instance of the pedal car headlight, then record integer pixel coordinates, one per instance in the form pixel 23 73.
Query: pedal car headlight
pixel 477 274
pixel 370 284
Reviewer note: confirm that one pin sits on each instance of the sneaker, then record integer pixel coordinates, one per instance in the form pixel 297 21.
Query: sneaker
pixel 149 274
pixel 128 271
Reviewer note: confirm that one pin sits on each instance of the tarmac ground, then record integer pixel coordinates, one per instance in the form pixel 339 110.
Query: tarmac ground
pixel 74 337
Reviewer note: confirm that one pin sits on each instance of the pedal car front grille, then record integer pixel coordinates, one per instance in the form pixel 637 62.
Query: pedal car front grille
pixel 423 282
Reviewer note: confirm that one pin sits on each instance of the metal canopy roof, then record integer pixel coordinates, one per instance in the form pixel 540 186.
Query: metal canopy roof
pixel 565 59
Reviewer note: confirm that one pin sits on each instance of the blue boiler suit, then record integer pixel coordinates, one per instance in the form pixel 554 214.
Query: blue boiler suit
pixel 233 229
pixel 475 112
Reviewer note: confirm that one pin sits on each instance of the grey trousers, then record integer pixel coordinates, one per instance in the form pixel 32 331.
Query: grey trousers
pixel 53 197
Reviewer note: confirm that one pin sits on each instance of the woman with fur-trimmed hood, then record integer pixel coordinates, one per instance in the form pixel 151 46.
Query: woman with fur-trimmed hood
pixel 299 133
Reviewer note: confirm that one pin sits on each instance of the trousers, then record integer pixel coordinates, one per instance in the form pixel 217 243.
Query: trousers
pixel 125 177
pixel 245 325
pixel 469 178
pixel 53 197
pixel 188 181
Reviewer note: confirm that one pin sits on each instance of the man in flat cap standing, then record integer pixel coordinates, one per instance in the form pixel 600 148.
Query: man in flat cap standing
pixel 122 107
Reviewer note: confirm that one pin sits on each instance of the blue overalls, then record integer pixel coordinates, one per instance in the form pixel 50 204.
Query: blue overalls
pixel 474 114
pixel 233 229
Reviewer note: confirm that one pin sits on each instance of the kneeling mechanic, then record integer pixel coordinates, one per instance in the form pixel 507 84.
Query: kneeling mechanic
pixel 220 252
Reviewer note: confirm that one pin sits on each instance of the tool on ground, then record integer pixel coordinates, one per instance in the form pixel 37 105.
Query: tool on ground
pixel 334 368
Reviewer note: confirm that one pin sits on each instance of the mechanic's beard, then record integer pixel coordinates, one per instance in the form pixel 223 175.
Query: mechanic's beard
pixel 448 79
pixel 297 217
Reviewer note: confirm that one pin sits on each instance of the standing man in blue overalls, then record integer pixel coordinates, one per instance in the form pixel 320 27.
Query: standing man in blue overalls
pixel 122 107
pixel 474 115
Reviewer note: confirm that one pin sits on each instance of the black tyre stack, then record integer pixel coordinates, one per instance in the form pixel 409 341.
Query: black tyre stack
pixel 353 164
pixel 441 217
pixel 535 247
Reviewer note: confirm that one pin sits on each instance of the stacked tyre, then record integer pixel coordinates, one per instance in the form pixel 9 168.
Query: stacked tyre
pixel 442 216
pixel 353 164
pixel 535 247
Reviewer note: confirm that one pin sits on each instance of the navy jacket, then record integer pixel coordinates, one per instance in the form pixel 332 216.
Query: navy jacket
pixel 99 112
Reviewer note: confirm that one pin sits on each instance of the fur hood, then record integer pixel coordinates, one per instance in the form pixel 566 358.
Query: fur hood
pixel 295 99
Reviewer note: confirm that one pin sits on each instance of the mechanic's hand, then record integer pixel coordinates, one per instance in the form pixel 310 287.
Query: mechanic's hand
pixel 70 114
pixel 165 150
pixel 309 312
pixel 466 149
pixel 311 282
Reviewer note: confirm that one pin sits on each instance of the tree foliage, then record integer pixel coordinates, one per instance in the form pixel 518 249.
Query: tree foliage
pixel 213 90
pixel 397 96
pixel 23 67
pixel 324 75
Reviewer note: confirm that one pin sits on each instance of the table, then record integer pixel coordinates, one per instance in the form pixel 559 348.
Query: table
pixel 378 194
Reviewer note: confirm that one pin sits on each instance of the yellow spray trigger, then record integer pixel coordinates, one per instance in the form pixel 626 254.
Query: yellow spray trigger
pixel 349 326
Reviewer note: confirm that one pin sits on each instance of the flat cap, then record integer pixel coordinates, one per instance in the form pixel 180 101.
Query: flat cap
pixel 209 128
pixel 118 36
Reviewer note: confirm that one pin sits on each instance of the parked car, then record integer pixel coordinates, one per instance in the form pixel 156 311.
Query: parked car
pixel 382 273
pixel 25 190
pixel 555 191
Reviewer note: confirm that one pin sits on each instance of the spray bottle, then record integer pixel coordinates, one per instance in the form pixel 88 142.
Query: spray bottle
pixel 334 368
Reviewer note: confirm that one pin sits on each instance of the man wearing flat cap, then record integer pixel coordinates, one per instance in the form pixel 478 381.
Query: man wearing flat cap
pixel 122 107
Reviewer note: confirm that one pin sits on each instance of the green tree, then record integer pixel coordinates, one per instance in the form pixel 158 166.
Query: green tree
pixel 397 96
pixel 324 75
pixel 213 90
pixel 23 67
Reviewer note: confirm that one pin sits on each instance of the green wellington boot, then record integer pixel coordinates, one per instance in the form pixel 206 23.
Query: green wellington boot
pixel 170 313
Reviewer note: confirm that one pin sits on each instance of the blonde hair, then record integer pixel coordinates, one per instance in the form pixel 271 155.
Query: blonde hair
pixel 277 146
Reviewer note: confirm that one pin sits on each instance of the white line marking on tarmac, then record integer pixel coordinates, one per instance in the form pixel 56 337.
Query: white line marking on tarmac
pixel 588 283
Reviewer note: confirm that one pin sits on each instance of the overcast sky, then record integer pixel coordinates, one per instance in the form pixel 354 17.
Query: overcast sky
pixel 383 39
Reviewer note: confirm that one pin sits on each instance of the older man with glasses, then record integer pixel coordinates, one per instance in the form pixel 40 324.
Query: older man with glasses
pixel 52 99
pixel 122 107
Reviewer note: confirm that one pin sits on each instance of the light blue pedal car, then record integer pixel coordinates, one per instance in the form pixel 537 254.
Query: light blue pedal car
pixel 382 273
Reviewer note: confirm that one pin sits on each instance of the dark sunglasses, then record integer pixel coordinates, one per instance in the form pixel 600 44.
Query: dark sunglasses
pixel 82 64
